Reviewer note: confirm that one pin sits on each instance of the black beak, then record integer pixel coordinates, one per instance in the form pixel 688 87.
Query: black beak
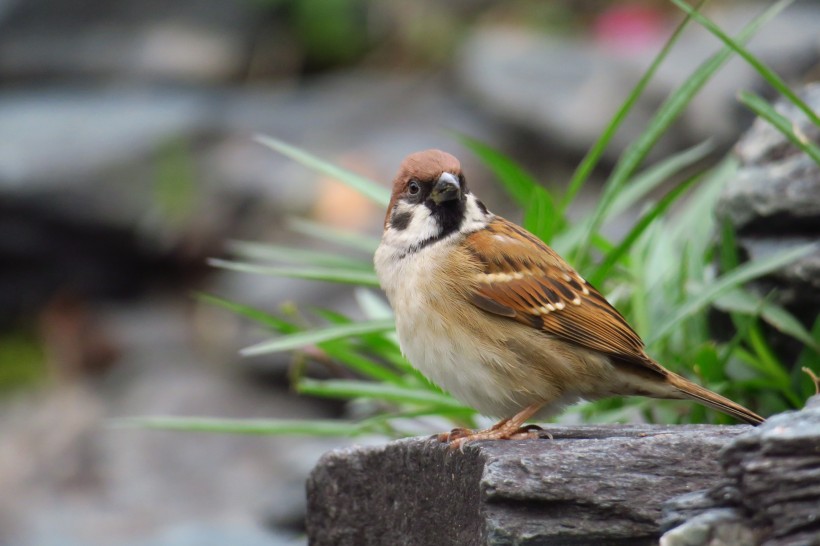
pixel 447 188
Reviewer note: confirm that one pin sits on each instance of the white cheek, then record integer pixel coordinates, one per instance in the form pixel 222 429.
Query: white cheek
pixel 422 226
pixel 474 217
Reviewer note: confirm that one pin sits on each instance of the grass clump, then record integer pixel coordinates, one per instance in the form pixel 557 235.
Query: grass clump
pixel 665 275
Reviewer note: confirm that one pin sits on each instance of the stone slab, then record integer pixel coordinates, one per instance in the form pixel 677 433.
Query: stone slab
pixel 589 484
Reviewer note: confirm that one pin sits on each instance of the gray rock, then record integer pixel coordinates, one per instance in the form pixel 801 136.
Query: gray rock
pixel 383 117
pixel 718 527
pixel 89 204
pixel 777 189
pixel 777 470
pixel 789 43
pixel 562 89
pixel 601 484
pixel 770 491
pixel 111 157
pixel 69 478
pixel 799 281
pixel 566 88
pixel 776 195
pixel 65 134
pixel 183 41
pixel 678 510
pixel 99 148
pixel 774 203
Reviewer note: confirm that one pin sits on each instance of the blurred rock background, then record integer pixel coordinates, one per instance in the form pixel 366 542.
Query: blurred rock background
pixel 127 158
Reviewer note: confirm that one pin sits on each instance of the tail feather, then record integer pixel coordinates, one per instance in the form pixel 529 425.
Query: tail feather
pixel 713 400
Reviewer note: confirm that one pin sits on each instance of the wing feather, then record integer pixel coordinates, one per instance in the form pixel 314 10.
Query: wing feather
pixel 525 280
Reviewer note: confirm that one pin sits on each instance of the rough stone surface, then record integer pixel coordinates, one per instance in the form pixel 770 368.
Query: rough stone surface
pixel 774 203
pixel 777 189
pixel 589 484
pixel 717 527
pixel 770 493
pixel 777 471
pixel 798 282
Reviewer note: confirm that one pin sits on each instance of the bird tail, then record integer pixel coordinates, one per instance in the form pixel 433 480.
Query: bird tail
pixel 713 400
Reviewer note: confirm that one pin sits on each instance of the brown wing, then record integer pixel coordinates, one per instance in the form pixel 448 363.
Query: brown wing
pixel 524 279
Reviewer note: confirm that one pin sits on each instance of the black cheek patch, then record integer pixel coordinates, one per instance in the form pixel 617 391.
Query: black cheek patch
pixel 481 207
pixel 400 221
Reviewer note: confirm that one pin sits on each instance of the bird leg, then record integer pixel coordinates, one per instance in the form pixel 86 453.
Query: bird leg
pixel 506 429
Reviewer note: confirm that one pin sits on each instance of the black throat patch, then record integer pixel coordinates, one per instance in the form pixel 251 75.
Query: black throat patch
pixel 449 216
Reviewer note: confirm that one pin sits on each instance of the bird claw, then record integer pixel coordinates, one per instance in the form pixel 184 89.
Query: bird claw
pixel 529 428
pixel 456 433
pixel 506 429
pixel 459 437
pixel 519 434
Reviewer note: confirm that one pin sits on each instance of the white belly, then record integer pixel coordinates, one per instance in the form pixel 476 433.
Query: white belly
pixel 458 368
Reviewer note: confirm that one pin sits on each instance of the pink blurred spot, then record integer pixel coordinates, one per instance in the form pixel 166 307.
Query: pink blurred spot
pixel 629 28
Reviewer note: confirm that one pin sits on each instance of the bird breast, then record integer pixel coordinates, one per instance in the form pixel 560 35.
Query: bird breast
pixel 490 363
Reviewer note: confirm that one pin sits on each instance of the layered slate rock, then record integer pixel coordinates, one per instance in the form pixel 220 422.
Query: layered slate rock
pixel 774 203
pixel 770 493
pixel 602 485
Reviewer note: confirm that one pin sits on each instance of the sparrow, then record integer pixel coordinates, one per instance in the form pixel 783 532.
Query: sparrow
pixel 489 313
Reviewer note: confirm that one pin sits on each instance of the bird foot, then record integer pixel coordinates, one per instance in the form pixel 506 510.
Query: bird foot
pixel 504 430
pixel 456 433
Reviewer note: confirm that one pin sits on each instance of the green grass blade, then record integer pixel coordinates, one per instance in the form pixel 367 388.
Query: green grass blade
pixel 650 179
pixel 728 251
pixel 246 250
pixel 726 283
pixel 281 427
pixel 312 337
pixel 383 343
pixel 337 236
pixel 340 350
pixel 459 413
pixel 593 156
pixel 768 74
pixel 640 227
pixel 517 182
pixel 780 122
pixel 638 188
pixel 256 315
pixel 372 305
pixel 743 324
pixel 333 317
pixel 540 217
pixel 809 358
pixel 772 379
pixel 365 186
pixel 743 301
pixel 767 359
pixel 345 389
pixel 669 111
pixel 693 229
pixel 335 274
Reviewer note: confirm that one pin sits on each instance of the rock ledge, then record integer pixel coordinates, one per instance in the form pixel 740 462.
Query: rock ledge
pixel 590 484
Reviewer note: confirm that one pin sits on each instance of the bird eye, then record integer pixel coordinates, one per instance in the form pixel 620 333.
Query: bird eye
pixel 413 188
